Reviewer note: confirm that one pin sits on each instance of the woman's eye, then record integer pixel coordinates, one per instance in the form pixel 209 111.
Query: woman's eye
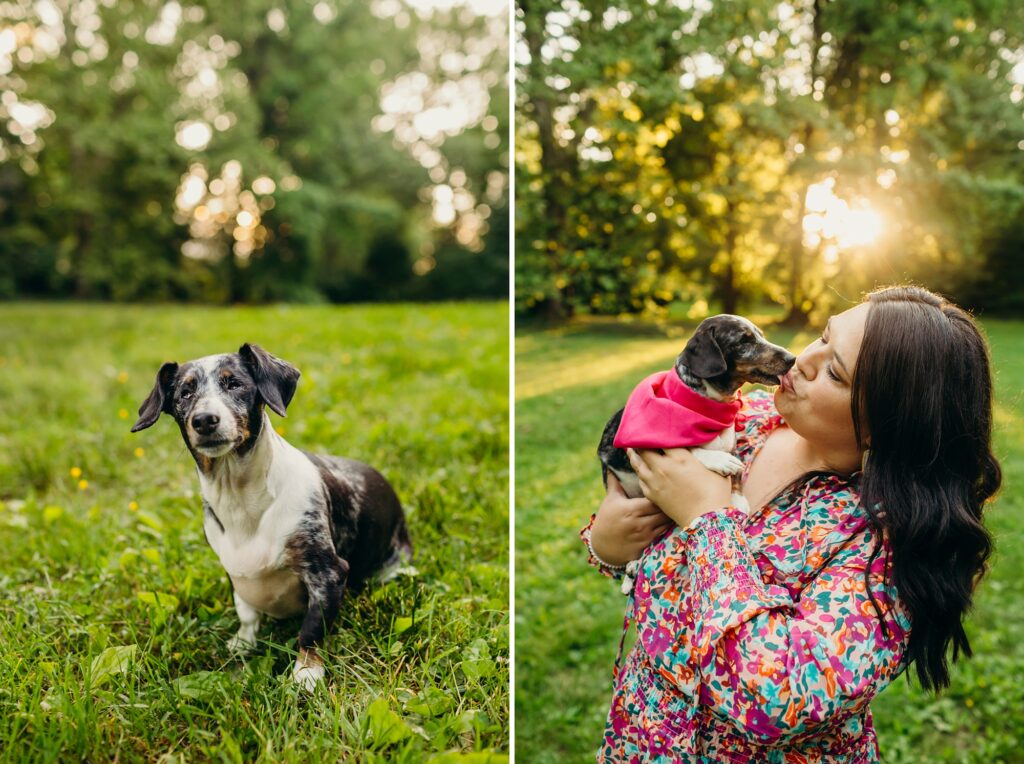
pixel 832 373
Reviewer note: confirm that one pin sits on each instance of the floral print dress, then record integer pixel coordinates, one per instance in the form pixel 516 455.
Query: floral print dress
pixel 757 640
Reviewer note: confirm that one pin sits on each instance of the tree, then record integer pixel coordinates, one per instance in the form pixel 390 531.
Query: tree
pixel 706 151
pixel 222 152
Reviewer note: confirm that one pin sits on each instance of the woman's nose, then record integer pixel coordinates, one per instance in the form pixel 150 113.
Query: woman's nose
pixel 807 362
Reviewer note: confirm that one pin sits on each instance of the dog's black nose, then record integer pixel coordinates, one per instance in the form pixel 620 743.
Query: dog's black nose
pixel 789 359
pixel 205 424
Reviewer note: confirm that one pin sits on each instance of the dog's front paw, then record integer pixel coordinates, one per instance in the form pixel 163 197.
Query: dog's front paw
pixel 739 501
pixel 309 669
pixel 307 677
pixel 241 643
pixel 721 462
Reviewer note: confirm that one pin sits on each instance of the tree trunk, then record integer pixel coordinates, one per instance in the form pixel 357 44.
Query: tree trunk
pixel 797 315
pixel 557 162
pixel 83 231
pixel 728 291
pixel 553 159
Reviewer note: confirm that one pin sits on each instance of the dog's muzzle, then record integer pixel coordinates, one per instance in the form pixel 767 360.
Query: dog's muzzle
pixel 211 435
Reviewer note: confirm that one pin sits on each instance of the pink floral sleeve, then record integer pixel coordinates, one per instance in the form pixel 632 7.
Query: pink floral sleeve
pixel 780 659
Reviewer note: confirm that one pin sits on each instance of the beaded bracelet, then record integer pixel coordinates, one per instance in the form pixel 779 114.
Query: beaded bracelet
pixel 602 563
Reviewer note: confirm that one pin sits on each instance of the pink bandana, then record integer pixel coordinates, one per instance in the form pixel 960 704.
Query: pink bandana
pixel 662 412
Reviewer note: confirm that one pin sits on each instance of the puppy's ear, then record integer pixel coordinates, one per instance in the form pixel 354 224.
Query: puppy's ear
pixel 159 400
pixel 703 356
pixel 275 379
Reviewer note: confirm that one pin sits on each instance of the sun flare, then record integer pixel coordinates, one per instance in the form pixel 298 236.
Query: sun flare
pixel 835 223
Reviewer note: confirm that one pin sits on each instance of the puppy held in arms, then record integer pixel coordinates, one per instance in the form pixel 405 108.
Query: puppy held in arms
pixel 292 529
pixel 694 404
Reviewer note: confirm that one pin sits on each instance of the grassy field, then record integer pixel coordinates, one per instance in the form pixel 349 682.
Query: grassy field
pixel 568 381
pixel 114 612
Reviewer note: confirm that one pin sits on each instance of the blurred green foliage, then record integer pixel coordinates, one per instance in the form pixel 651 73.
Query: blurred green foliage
pixel 664 153
pixel 111 110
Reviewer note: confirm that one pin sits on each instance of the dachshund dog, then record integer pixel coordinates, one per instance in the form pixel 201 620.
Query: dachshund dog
pixel 695 403
pixel 292 529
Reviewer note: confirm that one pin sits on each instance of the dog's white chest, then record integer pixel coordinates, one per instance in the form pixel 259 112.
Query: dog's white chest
pixel 257 567
pixel 250 527
pixel 258 570
pixel 245 556
pixel 724 441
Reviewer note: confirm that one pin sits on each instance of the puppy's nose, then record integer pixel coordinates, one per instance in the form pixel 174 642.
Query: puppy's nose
pixel 205 424
pixel 789 359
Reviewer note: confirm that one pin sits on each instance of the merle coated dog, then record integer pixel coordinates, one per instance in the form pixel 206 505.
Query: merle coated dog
pixel 724 352
pixel 292 529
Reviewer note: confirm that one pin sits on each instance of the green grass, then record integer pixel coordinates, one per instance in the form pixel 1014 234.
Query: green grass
pixel 568 617
pixel 114 612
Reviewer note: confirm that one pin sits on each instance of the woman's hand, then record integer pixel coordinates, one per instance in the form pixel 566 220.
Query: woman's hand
pixel 679 484
pixel 624 527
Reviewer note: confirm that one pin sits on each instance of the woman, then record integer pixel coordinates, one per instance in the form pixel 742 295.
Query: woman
pixel 763 637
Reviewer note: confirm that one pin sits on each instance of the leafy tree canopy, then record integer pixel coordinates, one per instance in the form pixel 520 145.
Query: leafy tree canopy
pixel 252 150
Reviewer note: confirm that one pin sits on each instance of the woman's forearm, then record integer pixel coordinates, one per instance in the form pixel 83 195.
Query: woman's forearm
pixel 624 527
pixel 679 483
pixel 610 548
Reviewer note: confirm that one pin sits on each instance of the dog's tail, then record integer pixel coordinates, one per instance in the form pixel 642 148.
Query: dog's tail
pixel 404 545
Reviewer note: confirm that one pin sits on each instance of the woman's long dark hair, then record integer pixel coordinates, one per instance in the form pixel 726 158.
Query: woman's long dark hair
pixel 922 404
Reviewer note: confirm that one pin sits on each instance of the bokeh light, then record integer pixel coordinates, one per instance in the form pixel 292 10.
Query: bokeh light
pixel 831 222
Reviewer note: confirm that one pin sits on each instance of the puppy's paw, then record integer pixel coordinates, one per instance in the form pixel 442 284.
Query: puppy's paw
pixel 740 502
pixel 309 669
pixel 629 576
pixel 721 462
pixel 306 676
pixel 242 642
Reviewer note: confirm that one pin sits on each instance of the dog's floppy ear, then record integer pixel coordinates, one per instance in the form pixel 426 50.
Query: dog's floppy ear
pixel 159 400
pixel 275 379
pixel 703 356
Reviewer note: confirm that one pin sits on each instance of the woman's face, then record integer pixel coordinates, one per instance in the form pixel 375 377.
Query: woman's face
pixel 814 397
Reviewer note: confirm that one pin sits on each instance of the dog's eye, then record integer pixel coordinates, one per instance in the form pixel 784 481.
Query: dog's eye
pixel 231 383
pixel 186 394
